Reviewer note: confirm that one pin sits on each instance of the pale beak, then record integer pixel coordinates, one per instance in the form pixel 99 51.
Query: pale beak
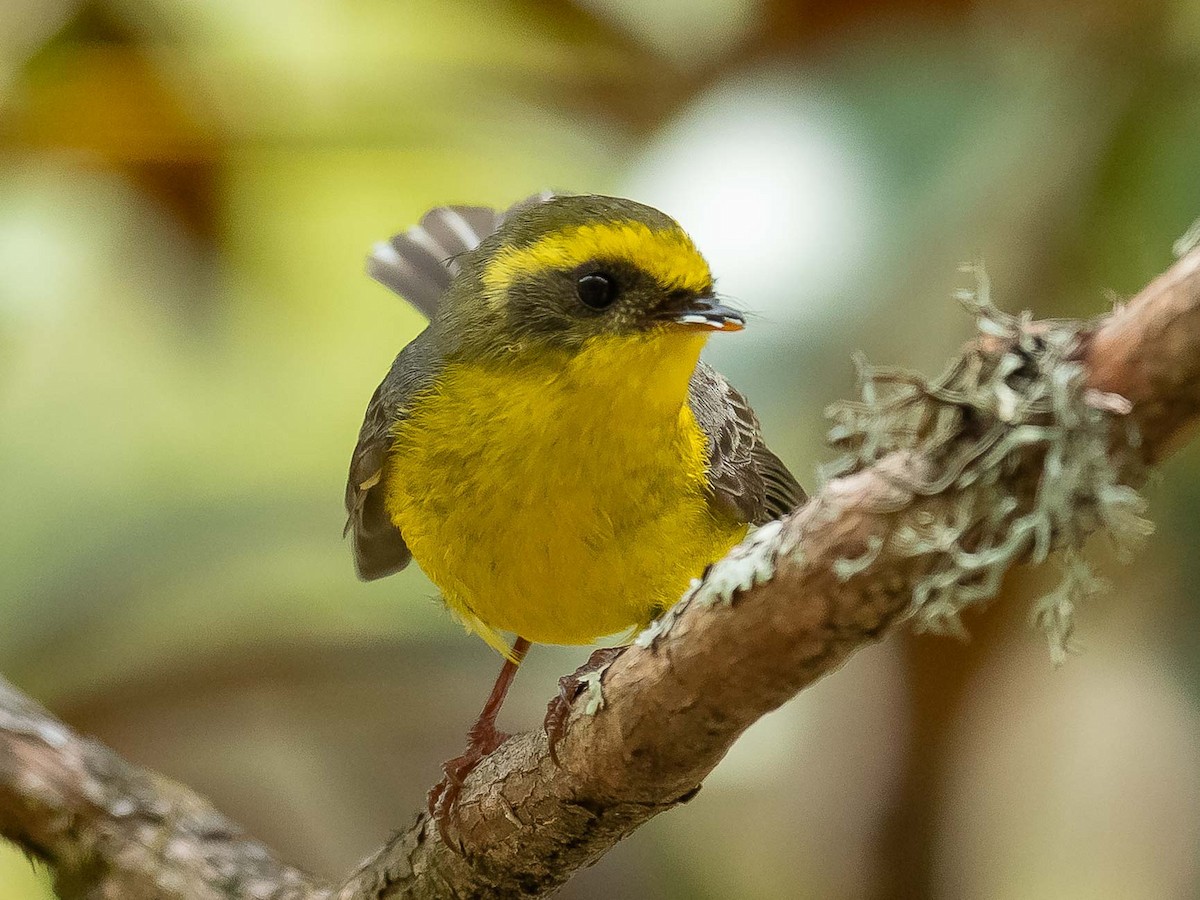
pixel 706 313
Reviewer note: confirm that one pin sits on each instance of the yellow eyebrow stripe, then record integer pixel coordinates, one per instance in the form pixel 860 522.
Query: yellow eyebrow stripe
pixel 668 256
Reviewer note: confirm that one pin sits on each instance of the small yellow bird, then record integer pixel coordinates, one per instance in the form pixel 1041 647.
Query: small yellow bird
pixel 550 449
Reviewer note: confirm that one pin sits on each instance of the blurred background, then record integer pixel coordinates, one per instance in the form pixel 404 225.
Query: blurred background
pixel 187 343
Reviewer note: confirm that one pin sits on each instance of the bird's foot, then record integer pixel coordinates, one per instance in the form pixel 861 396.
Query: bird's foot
pixel 585 678
pixel 482 739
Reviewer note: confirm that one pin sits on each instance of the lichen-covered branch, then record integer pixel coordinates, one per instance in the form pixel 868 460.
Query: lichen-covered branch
pixel 1034 438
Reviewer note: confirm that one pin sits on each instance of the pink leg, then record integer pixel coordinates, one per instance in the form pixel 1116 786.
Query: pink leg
pixel 482 739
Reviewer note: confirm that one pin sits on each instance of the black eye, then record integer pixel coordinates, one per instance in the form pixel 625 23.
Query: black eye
pixel 597 290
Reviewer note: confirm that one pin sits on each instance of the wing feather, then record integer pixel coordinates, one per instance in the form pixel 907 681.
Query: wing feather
pixel 418 264
pixel 379 547
pixel 747 479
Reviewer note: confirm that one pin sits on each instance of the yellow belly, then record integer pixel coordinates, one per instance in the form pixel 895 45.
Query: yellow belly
pixel 562 499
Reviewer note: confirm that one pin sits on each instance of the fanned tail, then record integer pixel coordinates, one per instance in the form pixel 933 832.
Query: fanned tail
pixel 420 263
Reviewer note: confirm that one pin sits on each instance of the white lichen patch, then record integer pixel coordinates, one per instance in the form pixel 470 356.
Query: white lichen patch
pixel 594 690
pixel 988 421
pixel 53 734
pixel 749 563
pixel 121 807
pixel 21 721
pixel 847 568
pixel 660 626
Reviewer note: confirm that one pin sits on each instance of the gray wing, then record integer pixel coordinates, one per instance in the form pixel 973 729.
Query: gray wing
pixel 747 479
pixel 379 547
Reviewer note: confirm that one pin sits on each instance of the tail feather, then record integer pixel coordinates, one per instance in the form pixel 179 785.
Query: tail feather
pixel 420 263
pixel 461 226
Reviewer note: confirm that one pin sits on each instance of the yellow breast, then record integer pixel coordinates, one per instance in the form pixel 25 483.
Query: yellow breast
pixel 561 498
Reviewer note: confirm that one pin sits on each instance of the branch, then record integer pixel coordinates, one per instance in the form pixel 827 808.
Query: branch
pixel 109 829
pixel 1031 440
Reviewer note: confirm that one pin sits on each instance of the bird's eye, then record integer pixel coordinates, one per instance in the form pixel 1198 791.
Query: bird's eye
pixel 597 290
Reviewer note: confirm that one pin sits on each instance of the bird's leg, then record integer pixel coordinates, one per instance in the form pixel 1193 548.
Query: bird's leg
pixel 482 739
pixel 570 687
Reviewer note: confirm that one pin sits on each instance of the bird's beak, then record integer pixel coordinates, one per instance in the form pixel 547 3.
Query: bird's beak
pixel 707 314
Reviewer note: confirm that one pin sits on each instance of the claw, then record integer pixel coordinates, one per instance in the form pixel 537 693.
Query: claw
pixel 482 739
pixel 443 798
pixel 570 687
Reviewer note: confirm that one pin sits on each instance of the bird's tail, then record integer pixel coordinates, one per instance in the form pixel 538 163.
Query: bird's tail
pixel 420 263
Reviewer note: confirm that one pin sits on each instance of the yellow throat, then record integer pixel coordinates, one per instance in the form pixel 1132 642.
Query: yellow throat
pixel 561 497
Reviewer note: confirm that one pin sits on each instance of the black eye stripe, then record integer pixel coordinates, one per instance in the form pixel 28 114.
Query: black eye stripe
pixel 597 290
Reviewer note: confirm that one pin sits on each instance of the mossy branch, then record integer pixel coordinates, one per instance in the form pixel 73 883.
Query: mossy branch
pixel 1036 436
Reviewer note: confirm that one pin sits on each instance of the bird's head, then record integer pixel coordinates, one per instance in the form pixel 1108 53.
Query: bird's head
pixel 574 269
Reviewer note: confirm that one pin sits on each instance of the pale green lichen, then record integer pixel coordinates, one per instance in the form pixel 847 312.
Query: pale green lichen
pixel 660 626
pixel 1054 612
pixel 845 569
pixel 594 689
pixel 749 563
pixel 985 419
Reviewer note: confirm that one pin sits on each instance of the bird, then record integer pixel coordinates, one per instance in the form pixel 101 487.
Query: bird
pixel 551 449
